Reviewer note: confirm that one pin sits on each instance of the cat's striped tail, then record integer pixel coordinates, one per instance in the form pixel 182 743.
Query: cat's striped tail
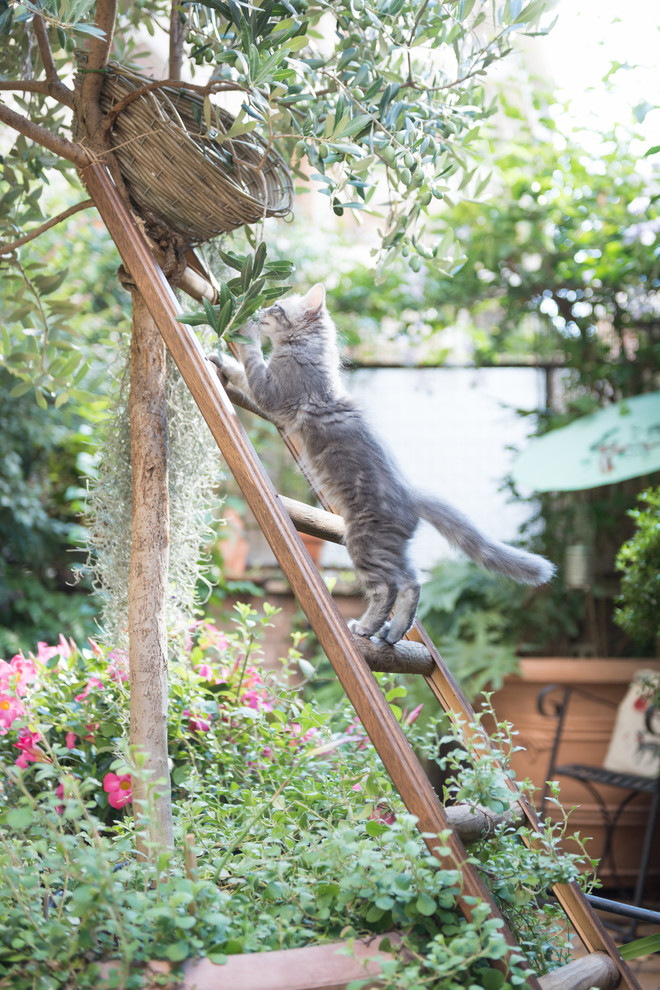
pixel 524 567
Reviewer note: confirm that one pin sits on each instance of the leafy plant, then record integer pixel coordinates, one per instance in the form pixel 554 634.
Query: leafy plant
pixel 470 615
pixel 288 830
pixel 44 453
pixel 560 265
pixel 243 295
pixel 639 561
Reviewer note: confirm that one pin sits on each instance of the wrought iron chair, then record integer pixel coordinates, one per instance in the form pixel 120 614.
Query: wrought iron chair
pixel 553 702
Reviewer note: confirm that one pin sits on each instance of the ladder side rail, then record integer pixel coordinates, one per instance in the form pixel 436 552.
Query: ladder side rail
pixel 306 582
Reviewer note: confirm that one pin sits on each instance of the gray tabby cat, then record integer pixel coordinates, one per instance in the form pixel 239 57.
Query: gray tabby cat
pixel 300 390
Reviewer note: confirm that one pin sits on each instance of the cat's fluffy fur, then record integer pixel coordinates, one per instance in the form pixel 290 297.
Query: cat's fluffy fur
pixel 300 390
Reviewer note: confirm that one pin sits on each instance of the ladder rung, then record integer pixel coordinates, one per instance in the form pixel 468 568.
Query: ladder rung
pixel 405 657
pixel 595 970
pixel 314 522
pixel 473 824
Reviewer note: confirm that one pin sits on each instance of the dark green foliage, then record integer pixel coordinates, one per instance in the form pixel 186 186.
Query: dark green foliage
pixel 639 561
pixel 39 530
pixel 476 620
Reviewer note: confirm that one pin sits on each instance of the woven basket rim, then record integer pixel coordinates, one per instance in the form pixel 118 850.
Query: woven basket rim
pixel 197 185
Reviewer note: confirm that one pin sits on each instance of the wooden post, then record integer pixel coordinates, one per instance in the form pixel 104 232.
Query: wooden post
pixel 147 630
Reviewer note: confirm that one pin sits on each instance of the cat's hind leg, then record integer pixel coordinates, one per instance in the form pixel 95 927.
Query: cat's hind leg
pixel 380 598
pixel 405 609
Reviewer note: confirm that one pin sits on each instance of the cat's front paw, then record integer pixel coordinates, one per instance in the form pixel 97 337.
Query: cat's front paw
pixel 217 362
pixel 251 331
pixel 228 369
pixel 357 629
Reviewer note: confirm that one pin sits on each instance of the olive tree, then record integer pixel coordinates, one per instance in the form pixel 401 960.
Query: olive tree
pixel 375 103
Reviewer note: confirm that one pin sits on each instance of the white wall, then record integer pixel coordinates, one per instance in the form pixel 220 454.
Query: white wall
pixel 449 429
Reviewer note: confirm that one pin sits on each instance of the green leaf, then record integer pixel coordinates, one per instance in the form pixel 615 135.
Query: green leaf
pixel 259 259
pixel 177 951
pixel 425 905
pixel 232 260
pixel 375 828
pixel 297 43
pixel 193 319
pixel 641 947
pixel 211 317
pixel 19 818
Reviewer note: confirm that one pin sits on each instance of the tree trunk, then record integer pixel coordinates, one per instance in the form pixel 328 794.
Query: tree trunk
pixel 148 581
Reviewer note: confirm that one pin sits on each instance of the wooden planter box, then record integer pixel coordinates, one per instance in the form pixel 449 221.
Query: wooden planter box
pixel 314 967
pixel 586 736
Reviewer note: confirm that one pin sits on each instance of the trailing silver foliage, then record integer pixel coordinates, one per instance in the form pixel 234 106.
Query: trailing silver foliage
pixel 193 475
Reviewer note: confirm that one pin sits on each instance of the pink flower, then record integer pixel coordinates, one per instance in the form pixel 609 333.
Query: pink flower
pixel 206 671
pixel 256 700
pixel 382 813
pixel 93 682
pixel 118 787
pixel 70 740
pixel 118 666
pixel 196 722
pixel 64 649
pixel 412 717
pixel 59 808
pixel 10 709
pixel 30 752
pixel 18 672
pixel 211 636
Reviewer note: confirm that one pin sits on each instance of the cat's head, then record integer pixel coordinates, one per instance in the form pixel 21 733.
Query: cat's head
pixel 294 316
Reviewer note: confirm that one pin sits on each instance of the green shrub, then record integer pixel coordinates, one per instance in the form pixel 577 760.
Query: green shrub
pixel 298 835
pixel 639 560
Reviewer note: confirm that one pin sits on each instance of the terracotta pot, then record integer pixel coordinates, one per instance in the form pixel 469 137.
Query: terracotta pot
pixel 234 546
pixel 314 546
pixel 585 739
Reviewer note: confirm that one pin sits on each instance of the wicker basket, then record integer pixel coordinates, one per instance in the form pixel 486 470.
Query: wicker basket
pixel 196 186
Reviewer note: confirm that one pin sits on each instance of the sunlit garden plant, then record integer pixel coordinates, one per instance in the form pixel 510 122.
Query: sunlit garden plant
pixel 288 831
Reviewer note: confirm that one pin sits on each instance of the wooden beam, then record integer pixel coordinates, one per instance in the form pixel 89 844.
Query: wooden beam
pixel 306 582
pixel 402 658
pixel 313 521
pixel 596 970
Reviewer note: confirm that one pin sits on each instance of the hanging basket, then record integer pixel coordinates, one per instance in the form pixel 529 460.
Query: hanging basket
pixel 176 174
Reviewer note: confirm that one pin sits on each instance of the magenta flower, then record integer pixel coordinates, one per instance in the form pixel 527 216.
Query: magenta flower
pixel 10 709
pixel 70 740
pixel 196 721
pixel 118 788
pixel 118 666
pixel 257 700
pixel 64 649
pixel 93 682
pixel 408 719
pixel 19 672
pixel 59 808
pixel 382 813
pixel 30 752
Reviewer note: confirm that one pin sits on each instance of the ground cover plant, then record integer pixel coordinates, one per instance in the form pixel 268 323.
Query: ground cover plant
pixel 287 830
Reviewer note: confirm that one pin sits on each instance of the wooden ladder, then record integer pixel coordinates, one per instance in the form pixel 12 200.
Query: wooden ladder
pixel 350 657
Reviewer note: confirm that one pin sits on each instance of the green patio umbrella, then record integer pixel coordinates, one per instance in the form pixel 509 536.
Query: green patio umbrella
pixel 613 444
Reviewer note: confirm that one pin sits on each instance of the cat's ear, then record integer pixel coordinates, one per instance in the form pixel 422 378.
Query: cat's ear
pixel 315 298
